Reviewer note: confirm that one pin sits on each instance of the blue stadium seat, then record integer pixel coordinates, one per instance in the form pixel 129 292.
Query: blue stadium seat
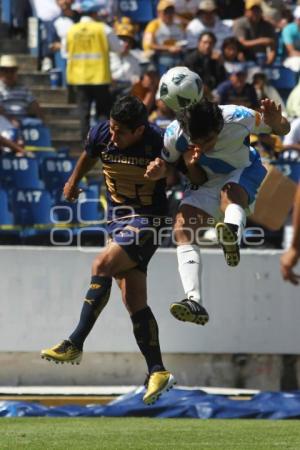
pixel 140 11
pixel 86 211
pixel 290 169
pixel 56 171
pixel 32 208
pixel 19 173
pixel 37 138
pixel 281 77
pixel 7 227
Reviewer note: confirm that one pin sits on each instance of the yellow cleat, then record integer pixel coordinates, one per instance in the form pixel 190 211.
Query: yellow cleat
pixel 65 352
pixel 228 239
pixel 158 383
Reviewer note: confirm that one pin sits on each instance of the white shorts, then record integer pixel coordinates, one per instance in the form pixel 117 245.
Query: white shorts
pixel 207 196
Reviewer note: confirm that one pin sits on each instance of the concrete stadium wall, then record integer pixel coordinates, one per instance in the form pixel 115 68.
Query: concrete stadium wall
pixel 254 320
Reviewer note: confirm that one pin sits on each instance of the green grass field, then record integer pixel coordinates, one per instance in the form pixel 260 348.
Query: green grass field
pixel 140 433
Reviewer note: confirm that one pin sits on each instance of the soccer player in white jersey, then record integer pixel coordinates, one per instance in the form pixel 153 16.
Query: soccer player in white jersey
pixel 214 142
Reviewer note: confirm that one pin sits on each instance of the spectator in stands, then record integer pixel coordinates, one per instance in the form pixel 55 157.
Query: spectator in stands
pixel 256 35
pixel 12 146
pixel 290 258
pixel 291 140
pixel 60 26
pixel 204 63
pixel 186 10
pixel 88 46
pixel 162 115
pixel 230 9
pixel 55 36
pixel 20 11
pixel 273 10
pixel 125 67
pixel 293 102
pixel 232 54
pixel 207 20
pixel 16 101
pixel 45 10
pixel 163 37
pixel 237 91
pixel 291 40
pixel 146 87
pixel 264 89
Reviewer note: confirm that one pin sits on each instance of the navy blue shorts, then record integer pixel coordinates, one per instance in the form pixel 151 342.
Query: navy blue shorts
pixel 138 236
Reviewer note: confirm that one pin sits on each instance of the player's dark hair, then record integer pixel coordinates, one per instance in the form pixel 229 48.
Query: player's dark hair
pixel 202 119
pixel 129 111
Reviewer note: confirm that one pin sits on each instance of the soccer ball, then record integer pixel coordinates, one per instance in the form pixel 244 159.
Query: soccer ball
pixel 180 88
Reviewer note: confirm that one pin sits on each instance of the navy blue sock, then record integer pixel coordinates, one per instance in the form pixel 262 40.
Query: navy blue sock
pixel 145 330
pixel 96 298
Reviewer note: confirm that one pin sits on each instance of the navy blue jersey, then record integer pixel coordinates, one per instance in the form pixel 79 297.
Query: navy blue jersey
pixel 128 191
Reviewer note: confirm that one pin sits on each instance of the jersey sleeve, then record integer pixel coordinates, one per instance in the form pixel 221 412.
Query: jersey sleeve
pixel 175 143
pixel 250 119
pixel 95 140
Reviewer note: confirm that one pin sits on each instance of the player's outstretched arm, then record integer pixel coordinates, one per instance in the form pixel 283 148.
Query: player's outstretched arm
pixel 273 117
pixel 83 166
pixel 290 258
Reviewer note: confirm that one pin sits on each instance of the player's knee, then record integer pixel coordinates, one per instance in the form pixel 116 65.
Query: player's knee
pixel 103 266
pixel 232 193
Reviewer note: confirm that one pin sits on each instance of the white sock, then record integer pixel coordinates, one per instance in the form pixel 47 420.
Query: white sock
pixel 236 215
pixel 190 270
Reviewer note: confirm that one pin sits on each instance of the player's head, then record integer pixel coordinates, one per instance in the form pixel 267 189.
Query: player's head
pixel 128 118
pixel 203 122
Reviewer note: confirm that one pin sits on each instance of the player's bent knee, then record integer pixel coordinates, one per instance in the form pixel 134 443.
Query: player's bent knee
pixel 103 265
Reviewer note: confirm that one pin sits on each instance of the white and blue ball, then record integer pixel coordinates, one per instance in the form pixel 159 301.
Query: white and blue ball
pixel 180 88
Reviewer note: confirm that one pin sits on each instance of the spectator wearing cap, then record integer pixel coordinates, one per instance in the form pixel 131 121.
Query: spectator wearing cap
pixel 256 35
pixel 186 10
pixel 237 91
pixel 164 37
pixel 202 61
pixel 125 67
pixel 16 101
pixel 291 41
pixel 88 45
pixel 207 20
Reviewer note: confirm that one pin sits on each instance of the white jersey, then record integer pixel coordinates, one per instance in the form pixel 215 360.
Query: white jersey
pixel 232 150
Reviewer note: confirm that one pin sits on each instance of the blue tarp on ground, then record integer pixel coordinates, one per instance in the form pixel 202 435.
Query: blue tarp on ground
pixel 183 403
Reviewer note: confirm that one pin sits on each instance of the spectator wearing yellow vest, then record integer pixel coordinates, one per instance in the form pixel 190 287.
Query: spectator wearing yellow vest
pixel 164 37
pixel 88 45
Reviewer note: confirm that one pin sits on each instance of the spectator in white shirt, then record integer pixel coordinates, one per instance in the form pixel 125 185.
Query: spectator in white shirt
pixel 207 20
pixel 125 67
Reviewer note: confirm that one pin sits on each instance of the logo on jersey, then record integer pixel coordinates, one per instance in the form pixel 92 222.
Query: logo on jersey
pixel 242 113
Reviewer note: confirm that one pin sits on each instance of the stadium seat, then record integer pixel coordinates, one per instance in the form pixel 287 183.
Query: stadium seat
pixel 282 79
pixel 290 169
pixel 56 171
pixel 19 173
pixel 37 138
pixel 7 227
pixel 32 208
pixel 86 211
pixel 82 218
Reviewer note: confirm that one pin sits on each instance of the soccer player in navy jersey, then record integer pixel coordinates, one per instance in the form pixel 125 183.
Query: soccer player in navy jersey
pixel 137 209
